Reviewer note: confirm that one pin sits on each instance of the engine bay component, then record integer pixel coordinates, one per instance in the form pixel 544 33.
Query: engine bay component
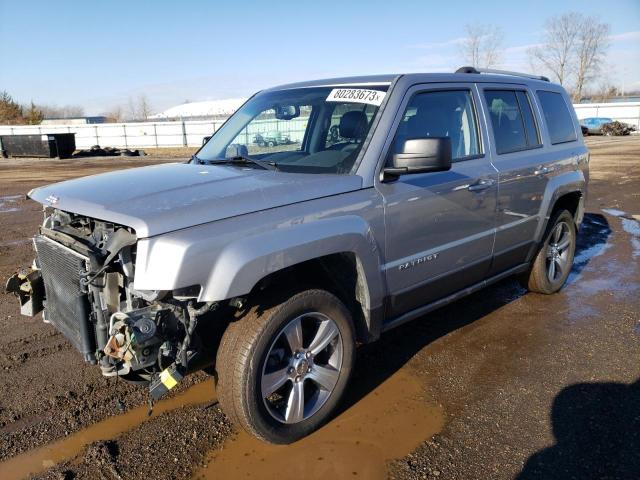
pixel 135 337
pixel 27 285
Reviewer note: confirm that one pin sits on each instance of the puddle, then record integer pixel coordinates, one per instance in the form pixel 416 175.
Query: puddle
pixel 388 423
pixel 37 460
pixel 593 241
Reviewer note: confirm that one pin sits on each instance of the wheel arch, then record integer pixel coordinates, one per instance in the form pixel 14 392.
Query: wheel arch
pixel 566 191
pixel 341 274
pixel 340 254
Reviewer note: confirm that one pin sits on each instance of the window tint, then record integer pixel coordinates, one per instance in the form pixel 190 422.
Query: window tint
pixel 533 138
pixel 441 114
pixel 506 119
pixel 557 117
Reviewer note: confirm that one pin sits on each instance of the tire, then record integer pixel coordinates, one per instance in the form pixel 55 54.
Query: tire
pixel 271 144
pixel 260 377
pixel 553 262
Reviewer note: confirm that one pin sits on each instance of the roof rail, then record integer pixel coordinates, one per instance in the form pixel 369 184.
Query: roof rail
pixel 500 72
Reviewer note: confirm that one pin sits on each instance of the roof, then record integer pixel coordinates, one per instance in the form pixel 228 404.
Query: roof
pixel 415 78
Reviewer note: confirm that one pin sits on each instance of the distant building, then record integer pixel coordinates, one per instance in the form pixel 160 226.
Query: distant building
pixel 197 110
pixel 73 121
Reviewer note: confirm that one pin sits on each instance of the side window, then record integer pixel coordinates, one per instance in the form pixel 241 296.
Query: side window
pixel 557 116
pixel 506 119
pixel 441 114
pixel 530 128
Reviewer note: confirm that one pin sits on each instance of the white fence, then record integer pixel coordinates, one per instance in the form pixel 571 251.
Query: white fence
pixel 191 133
pixel 623 112
pixel 127 135
pixel 158 134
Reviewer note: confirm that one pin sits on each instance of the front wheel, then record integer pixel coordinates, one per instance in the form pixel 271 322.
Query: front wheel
pixel 283 370
pixel 554 259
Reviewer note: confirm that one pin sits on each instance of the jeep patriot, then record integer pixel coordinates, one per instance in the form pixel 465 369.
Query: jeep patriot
pixel 266 263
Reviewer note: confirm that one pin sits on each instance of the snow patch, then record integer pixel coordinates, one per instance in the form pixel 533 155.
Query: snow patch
pixel 613 212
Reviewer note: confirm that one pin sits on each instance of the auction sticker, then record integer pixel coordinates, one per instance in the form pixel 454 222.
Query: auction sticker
pixel 356 95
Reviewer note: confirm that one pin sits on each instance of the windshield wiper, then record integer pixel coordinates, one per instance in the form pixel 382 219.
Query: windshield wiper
pixel 242 160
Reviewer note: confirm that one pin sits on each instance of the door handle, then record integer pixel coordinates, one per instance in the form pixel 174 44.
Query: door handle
pixel 481 185
pixel 543 170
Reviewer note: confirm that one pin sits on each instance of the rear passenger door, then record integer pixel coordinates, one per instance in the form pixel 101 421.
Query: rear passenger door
pixel 517 153
pixel 439 225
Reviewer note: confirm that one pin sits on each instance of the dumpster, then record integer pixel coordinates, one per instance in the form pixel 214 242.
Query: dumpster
pixel 47 145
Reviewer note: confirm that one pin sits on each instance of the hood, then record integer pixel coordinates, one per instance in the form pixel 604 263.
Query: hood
pixel 163 198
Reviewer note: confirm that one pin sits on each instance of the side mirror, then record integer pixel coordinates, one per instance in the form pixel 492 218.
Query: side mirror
pixel 421 155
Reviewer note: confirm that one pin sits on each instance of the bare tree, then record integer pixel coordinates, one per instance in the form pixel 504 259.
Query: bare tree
pixel 591 46
pixel 132 110
pixel 65 111
pixel 558 46
pixel 573 47
pixel 144 107
pixel 481 47
pixel 604 92
pixel 115 114
pixel 139 108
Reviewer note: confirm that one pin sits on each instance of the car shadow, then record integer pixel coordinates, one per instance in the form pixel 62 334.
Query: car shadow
pixel 377 361
pixel 597 432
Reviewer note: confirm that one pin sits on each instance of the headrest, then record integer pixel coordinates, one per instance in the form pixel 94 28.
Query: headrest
pixel 353 124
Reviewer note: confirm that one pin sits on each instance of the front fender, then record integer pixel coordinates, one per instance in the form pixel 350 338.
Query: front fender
pixel 244 262
pixel 229 263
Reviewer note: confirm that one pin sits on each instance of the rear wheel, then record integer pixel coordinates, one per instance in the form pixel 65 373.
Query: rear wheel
pixel 283 370
pixel 554 260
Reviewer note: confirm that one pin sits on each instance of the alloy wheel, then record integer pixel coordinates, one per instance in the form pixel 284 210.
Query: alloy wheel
pixel 558 252
pixel 302 367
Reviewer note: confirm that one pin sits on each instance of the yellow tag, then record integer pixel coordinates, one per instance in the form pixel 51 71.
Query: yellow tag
pixel 167 380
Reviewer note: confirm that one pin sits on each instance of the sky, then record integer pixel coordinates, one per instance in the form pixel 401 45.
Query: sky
pixel 98 54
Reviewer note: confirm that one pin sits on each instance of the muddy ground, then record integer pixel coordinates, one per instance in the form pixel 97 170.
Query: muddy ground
pixel 502 384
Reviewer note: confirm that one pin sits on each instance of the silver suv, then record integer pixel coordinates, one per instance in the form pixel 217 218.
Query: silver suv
pixel 266 263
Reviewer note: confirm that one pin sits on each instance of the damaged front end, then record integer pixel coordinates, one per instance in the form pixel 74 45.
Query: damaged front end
pixel 83 281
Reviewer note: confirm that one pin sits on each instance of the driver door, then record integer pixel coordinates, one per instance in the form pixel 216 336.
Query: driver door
pixel 440 226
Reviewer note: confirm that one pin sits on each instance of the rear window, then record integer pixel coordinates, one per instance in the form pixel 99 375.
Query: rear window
pixel 557 117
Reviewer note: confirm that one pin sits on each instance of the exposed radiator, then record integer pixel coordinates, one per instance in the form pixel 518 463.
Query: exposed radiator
pixel 67 307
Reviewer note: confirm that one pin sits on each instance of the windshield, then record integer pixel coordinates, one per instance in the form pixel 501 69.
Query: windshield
pixel 305 130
